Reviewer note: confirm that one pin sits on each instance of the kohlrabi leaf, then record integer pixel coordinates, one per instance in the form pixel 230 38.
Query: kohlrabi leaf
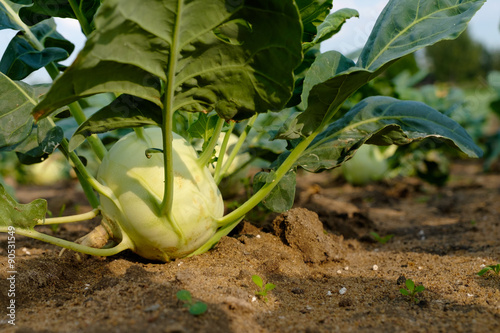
pixel 313 13
pixel 21 58
pixel 204 127
pixel 199 48
pixel 405 26
pixel 14 214
pixel 126 111
pixel 18 131
pixel 43 9
pixel 281 198
pixel 17 99
pixel 383 120
pixel 332 24
pixel 37 148
pixel 333 78
pixel 6 20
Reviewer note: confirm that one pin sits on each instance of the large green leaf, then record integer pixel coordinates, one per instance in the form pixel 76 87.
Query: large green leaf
pixel 18 215
pixel 403 27
pixel 44 9
pixel 330 81
pixel 332 25
pixel 21 58
pixel 383 121
pixel 124 112
pixel 6 21
pixel 312 13
pixel 17 99
pixel 211 54
pixel 18 131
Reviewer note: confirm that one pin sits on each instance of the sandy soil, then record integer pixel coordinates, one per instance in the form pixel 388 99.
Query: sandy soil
pixel 330 274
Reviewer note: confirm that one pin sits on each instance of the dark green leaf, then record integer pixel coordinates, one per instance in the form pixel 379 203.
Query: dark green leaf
pixel 281 198
pixel 332 25
pixel 204 127
pixel 17 99
pixel 21 58
pixel 330 81
pixel 405 26
pixel 124 112
pixel 404 292
pixel 18 215
pixel 44 9
pixel 312 13
pixel 49 139
pixel 6 21
pixel 382 121
pixel 177 42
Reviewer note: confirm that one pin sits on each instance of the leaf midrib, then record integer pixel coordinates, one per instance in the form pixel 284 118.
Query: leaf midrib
pixel 407 28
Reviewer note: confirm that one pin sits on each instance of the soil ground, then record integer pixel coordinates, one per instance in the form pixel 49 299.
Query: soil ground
pixel 330 275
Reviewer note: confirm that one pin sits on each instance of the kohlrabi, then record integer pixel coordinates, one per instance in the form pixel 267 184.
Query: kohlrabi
pixel 136 182
pixel 196 68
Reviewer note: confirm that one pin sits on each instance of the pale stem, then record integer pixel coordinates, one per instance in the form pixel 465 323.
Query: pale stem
pixel 236 150
pixel 70 219
pixel 123 245
pixel 254 200
pixel 168 113
pixel 206 155
pixel 222 153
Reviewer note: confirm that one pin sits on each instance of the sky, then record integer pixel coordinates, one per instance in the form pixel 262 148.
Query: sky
pixel 484 27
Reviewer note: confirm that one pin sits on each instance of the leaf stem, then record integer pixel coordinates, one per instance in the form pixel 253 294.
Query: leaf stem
pixel 236 150
pixel 206 155
pixel 168 113
pixel 123 245
pixel 70 219
pixel 222 153
pixel 267 188
pixel 86 28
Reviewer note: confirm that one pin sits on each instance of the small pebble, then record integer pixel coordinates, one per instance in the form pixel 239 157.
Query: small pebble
pixel 339 272
pixel 254 298
pixel 152 308
pixel 346 268
pixel 328 293
pixel 179 264
pixel 375 267
pixel 343 291
pixel 258 236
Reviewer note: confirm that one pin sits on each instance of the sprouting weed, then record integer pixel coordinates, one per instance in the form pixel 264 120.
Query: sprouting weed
pixel 411 291
pixel 380 239
pixel 263 289
pixel 491 268
pixel 195 308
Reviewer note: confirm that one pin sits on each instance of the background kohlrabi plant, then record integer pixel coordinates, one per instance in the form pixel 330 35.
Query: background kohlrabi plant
pixel 180 73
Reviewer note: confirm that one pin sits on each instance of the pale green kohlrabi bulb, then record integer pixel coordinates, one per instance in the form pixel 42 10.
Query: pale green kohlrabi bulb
pixel 138 185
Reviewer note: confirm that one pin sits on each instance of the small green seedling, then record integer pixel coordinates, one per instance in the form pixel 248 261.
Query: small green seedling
pixel 380 239
pixel 195 308
pixel 493 268
pixel 263 288
pixel 411 291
